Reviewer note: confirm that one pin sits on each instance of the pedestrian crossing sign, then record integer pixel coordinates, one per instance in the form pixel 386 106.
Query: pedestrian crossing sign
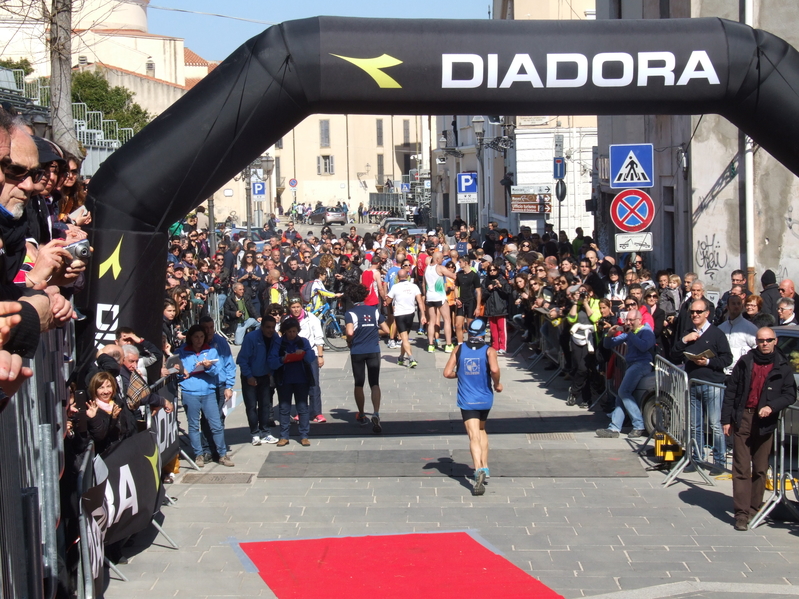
pixel 631 166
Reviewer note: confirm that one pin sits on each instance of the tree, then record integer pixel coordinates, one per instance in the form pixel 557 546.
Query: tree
pixel 60 21
pixel 23 64
pixel 91 88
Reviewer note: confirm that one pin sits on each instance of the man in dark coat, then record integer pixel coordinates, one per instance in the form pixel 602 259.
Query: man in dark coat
pixel 770 294
pixel 761 386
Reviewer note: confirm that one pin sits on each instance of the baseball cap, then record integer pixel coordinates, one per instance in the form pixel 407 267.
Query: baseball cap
pixel 487 258
pixel 48 151
pixel 476 328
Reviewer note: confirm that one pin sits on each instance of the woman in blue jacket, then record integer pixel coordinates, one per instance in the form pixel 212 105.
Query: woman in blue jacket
pixel 290 358
pixel 200 369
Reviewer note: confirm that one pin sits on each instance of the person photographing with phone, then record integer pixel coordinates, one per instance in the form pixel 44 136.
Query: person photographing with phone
pixel 582 318
pixel 640 340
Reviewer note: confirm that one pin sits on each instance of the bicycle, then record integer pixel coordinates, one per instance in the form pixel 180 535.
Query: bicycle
pixel 333 327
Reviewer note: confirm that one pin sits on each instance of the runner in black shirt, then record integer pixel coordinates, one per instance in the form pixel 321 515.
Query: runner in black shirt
pixel 468 296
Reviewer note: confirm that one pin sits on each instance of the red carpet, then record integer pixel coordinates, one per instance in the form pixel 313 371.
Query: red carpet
pixel 439 565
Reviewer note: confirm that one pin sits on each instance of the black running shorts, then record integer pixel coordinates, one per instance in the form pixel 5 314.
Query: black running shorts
pixel 469 414
pixel 404 323
pixel 361 363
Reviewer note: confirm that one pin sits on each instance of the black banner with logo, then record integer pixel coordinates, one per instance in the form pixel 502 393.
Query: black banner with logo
pixel 405 66
pixel 134 475
pixel 165 428
pixel 95 516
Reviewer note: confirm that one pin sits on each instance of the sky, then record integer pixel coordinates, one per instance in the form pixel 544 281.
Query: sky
pixel 214 38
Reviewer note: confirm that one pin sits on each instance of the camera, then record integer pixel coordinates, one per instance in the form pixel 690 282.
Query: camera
pixel 80 250
pixel 583 295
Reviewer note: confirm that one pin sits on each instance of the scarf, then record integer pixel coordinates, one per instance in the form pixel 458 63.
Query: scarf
pixel 302 315
pixel 762 359
pixel 13 233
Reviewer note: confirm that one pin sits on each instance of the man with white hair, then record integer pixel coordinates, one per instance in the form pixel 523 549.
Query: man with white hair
pixel 696 291
pixel 785 309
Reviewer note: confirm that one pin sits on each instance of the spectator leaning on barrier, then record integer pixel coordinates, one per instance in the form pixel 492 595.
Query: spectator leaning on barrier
pixel 702 338
pixel 240 312
pixel 640 342
pixel 761 386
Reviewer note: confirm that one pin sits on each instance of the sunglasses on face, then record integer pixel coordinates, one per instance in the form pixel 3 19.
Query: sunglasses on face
pixel 651 295
pixel 696 311
pixel 17 172
pixel 769 340
pixel 631 305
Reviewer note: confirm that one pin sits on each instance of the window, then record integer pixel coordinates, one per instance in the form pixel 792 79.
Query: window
pixel 277 171
pixel 324 165
pixel 379 132
pixel 279 144
pixel 380 169
pixel 406 132
pixel 324 133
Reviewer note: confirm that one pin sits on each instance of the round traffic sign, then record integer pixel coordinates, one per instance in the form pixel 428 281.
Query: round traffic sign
pixel 632 210
pixel 292 182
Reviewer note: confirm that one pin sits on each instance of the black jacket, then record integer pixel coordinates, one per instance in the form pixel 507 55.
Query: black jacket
pixel 231 307
pixel 712 339
pixel 496 299
pixel 779 391
pixel 770 296
pixel 684 322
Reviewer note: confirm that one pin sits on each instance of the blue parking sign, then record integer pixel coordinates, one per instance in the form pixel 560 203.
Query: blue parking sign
pixel 258 188
pixel 467 188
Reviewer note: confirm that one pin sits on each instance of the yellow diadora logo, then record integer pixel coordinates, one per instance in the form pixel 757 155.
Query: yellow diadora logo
pixel 373 67
pixel 112 263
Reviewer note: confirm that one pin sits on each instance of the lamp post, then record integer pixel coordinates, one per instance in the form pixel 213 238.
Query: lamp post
pixel 478 124
pixel 246 174
pixel 269 166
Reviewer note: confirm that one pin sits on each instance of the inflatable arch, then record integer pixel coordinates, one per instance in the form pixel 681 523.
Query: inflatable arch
pixel 387 66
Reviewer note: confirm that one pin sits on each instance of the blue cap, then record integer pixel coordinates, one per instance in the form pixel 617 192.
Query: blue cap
pixel 476 328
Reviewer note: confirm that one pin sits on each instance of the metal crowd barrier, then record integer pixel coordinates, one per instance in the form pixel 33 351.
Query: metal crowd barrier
pixel 31 462
pixel 85 481
pixel 613 382
pixel 784 469
pixel 671 417
pixel 553 353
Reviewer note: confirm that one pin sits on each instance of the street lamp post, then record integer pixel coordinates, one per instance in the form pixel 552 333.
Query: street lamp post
pixel 247 174
pixel 478 124
pixel 269 166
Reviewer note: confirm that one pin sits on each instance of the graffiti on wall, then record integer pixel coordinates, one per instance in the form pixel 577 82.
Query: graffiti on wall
pixel 710 256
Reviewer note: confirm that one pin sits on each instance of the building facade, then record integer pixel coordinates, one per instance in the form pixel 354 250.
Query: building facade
pixel 700 169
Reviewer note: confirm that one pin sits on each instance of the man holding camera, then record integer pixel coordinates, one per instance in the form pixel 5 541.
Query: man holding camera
pixel 640 340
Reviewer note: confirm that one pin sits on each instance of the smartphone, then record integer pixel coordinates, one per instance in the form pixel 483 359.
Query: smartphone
pixel 80 400
pixel 80 211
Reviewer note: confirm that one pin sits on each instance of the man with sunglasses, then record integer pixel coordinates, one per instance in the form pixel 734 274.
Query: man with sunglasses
pixel 761 386
pixel 700 338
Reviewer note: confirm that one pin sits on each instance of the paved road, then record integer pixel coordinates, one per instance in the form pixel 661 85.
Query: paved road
pixel 583 537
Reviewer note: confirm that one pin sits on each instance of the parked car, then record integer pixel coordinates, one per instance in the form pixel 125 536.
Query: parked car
pixel 328 216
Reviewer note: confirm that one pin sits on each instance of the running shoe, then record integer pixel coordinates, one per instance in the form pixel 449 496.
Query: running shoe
pixel 376 427
pixel 269 439
pixel 413 364
pixel 479 482
pixel 500 352
pixel 431 349
pixel 448 349
pixel 256 440
pixel 488 473
pixel 361 419
pixel 319 420
pixel 401 362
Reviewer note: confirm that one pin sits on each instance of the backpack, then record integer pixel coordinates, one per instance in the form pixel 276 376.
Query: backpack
pixel 306 292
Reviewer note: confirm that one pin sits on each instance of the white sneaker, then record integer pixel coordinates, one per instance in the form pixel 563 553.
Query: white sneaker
pixel 256 440
pixel 269 439
pixel 500 352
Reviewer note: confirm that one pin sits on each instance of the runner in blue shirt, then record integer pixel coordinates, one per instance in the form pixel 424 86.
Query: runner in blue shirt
pixel 363 326
pixel 475 366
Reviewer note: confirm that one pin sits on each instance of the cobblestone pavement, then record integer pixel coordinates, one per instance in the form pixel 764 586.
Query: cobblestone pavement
pixel 583 537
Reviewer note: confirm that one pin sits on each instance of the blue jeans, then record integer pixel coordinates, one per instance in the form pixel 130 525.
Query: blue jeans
pixel 315 392
pixel 258 405
pixel 709 398
pixel 210 408
pixel 625 400
pixel 299 392
pixel 241 330
pixel 207 435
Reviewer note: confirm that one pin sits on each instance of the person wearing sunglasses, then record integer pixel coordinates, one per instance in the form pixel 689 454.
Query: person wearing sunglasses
pixel 761 386
pixel 706 353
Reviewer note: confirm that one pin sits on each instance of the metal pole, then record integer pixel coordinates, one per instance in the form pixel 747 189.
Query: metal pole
pixel 211 225
pixel 247 192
